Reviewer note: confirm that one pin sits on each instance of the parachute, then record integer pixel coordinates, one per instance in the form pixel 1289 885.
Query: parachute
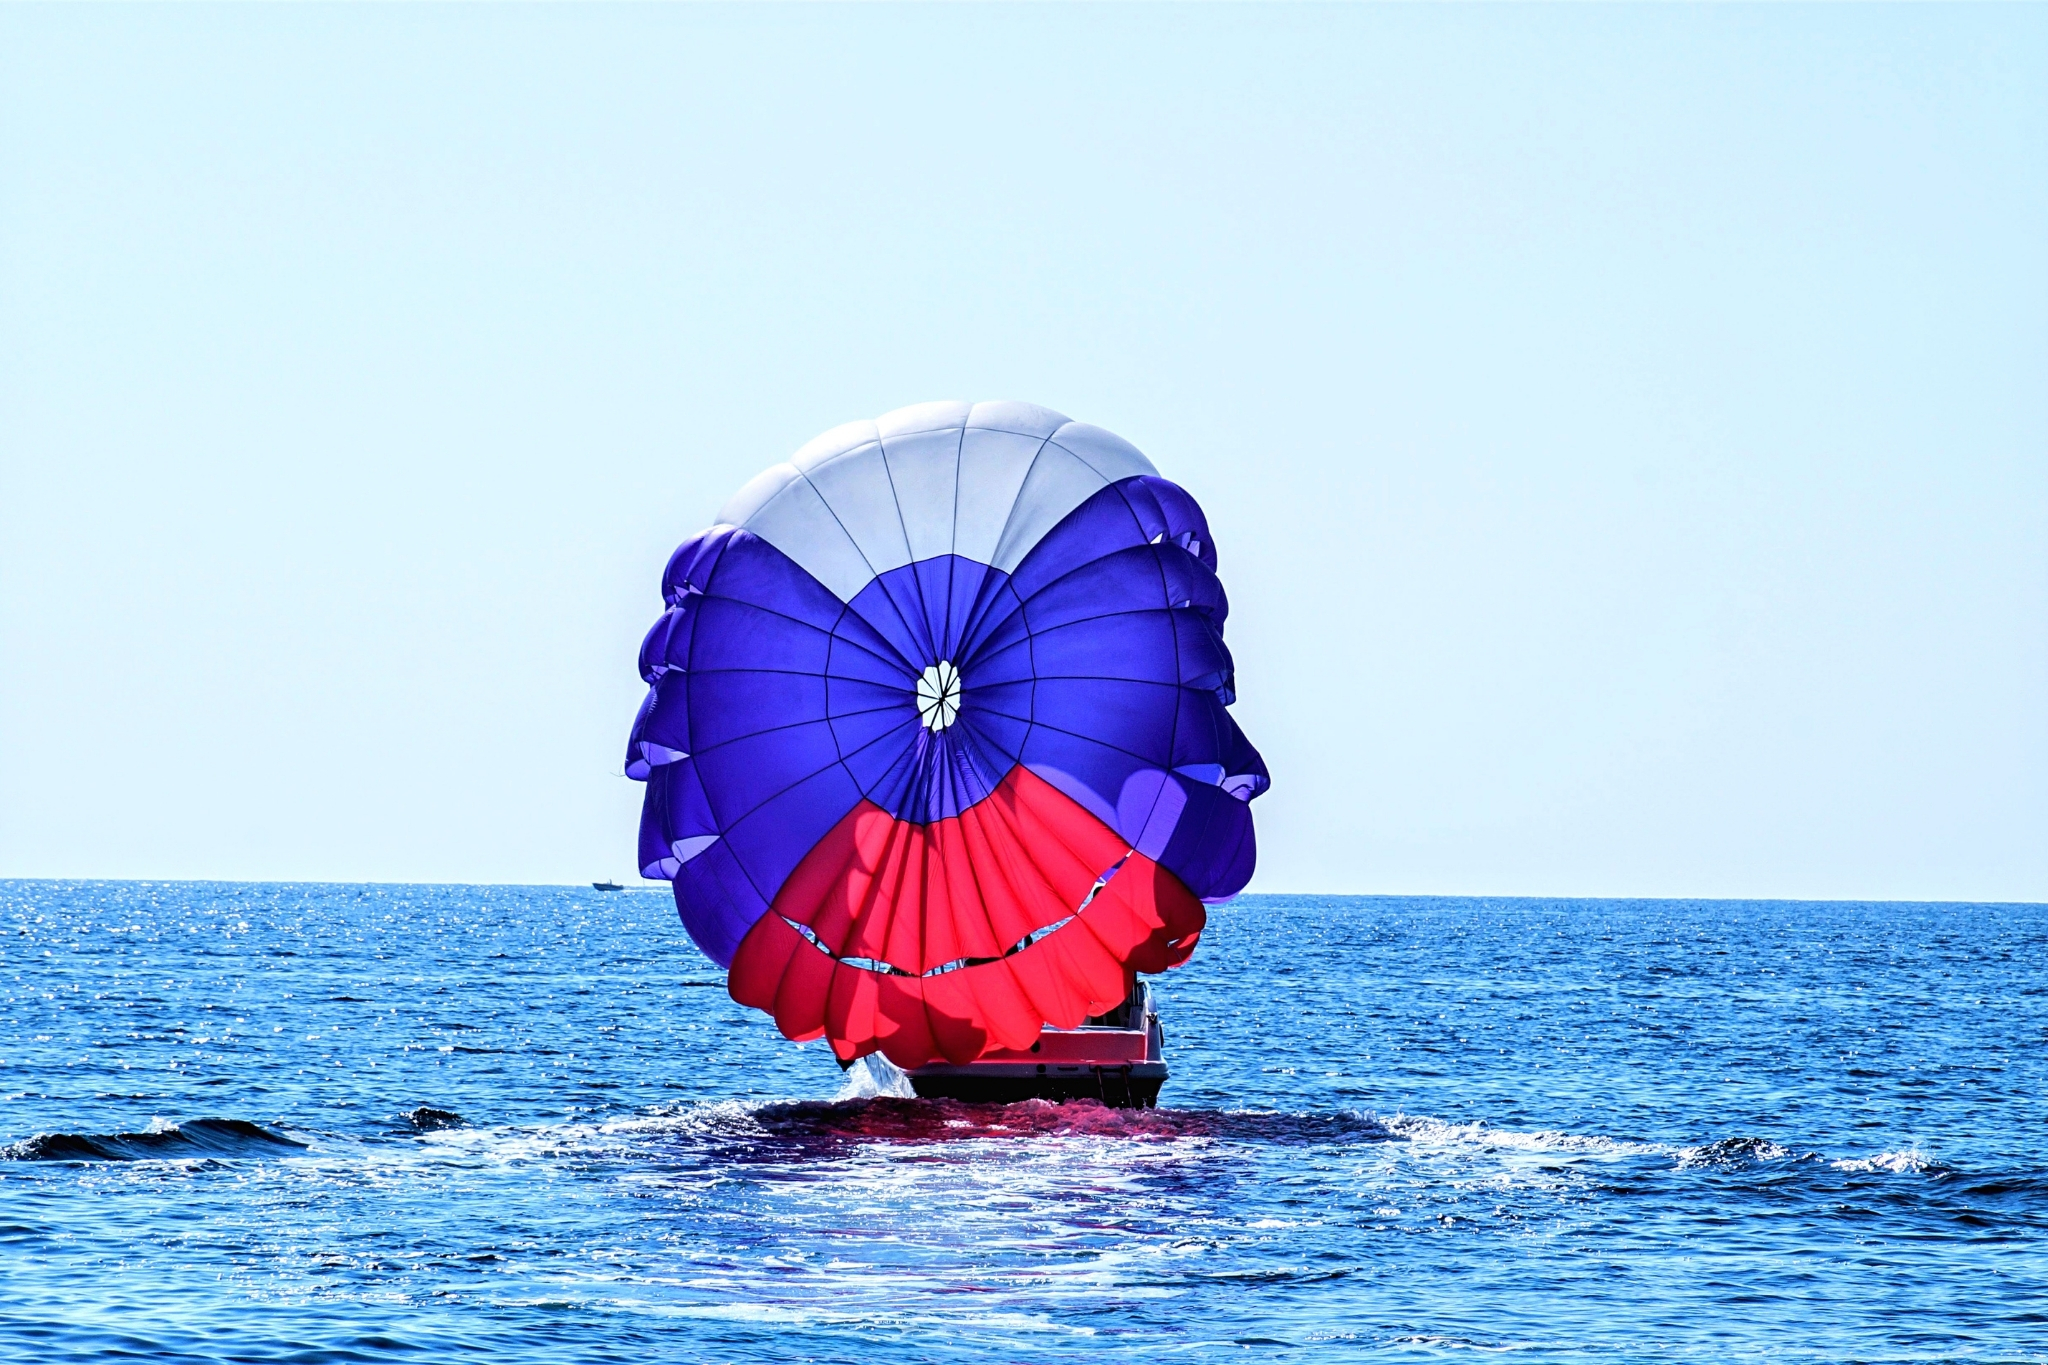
pixel 934 740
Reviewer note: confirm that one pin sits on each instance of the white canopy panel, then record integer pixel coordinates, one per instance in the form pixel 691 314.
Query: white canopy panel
pixel 985 481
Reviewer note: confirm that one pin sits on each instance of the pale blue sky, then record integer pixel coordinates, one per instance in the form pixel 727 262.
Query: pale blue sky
pixel 1625 431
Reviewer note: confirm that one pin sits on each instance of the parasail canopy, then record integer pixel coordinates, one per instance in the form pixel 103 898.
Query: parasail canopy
pixel 934 741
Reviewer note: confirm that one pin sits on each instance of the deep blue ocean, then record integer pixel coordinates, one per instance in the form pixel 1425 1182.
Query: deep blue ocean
pixel 368 1123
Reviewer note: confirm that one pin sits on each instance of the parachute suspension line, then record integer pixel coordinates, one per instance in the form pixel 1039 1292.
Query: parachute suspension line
pixel 881 968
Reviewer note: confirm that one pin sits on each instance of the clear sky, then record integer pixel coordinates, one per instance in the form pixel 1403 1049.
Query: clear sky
pixel 1625 430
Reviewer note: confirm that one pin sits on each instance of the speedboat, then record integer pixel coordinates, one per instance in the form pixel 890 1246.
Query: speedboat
pixel 1118 1058
pixel 606 886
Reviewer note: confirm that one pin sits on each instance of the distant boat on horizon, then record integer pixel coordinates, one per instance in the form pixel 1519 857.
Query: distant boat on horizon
pixel 607 886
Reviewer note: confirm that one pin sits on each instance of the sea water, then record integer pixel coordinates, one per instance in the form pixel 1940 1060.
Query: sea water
pixel 369 1123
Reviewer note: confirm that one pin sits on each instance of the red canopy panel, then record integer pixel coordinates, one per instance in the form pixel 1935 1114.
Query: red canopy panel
pixel 952 939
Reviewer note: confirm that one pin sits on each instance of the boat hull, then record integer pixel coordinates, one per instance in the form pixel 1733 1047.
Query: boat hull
pixel 1117 1059
pixel 1127 1087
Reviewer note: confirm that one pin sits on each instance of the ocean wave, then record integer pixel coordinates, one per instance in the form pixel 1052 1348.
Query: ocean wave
pixel 750 1132
pixel 1422 1129
pixel 209 1137
pixel 1907 1161
pixel 1735 1153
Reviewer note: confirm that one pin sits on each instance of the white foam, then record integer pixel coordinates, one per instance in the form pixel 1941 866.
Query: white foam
pixel 1908 1161
pixel 875 1077
pixel 1462 1344
pixel 1427 1131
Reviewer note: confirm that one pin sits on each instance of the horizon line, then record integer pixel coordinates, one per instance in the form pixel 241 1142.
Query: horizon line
pixel 659 886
